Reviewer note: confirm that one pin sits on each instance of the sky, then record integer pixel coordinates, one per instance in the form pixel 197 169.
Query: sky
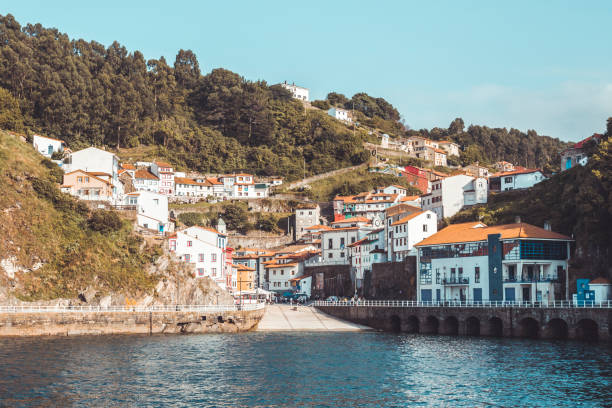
pixel 542 65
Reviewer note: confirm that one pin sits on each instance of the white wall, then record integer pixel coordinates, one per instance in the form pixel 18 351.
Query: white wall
pixel 44 144
pixel 518 181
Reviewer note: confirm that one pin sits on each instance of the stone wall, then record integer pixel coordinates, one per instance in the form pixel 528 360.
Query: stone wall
pixel 259 241
pixel 97 323
pixel 331 280
pixel 392 280
pixel 571 323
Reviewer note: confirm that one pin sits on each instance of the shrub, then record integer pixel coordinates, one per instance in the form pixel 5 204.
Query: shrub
pixel 104 221
pixel 321 105
pixel 191 218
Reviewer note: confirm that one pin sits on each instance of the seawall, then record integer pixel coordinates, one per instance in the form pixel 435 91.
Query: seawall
pixel 154 322
pixel 533 322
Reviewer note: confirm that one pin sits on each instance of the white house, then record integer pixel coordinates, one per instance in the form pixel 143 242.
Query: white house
pixel 515 180
pixel 408 231
pixel 144 180
pixel 151 209
pixel 205 249
pixel 384 141
pixel 448 195
pixel 335 241
pixel 303 284
pixel 165 172
pixel 297 91
pixel 99 162
pixel 473 262
pixel 47 145
pixel 452 149
pixel 392 189
pixel 340 114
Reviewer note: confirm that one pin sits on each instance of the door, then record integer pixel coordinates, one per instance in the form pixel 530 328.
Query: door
pixel 526 294
pixel 426 295
pixel 477 294
pixel 510 295
pixel 438 295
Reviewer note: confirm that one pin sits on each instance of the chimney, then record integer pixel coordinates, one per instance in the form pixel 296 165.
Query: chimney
pixel 517 219
pixel 547 226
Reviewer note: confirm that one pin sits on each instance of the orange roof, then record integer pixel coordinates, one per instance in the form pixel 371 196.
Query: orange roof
pixel 398 208
pixel 439 151
pixel 145 174
pixel 410 198
pixel 163 164
pixel 242 267
pixel 340 229
pixel 128 166
pixel 446 142
pixel 517 171
pixel 50 138
pixel 600 281
pixel 356 243
pixel 250 256
pixel 98 173
pixel 477 231
pixel 213 180
pixel 184 180
pixel 243 174
pixel 407 218
pixel 317 227
pixel 354 219
pixel 281 265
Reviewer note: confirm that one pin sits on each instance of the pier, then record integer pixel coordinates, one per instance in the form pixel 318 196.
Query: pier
pixel 555 320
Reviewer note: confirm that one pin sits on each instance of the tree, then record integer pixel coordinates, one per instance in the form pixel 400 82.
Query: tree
pixel 337 99
pixel 321 105
pixel 191 218
pixel 104 221
pixel 10 114
pixel 186 69
pixel 456 126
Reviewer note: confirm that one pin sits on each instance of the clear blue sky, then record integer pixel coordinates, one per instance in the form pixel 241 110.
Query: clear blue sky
pixel 543 65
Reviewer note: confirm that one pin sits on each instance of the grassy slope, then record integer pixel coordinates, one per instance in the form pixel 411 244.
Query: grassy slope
pixel 54 232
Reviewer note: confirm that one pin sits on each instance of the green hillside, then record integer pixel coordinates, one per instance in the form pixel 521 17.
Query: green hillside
pixel 61 246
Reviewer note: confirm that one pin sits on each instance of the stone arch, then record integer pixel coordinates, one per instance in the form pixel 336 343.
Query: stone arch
pixel 450 325
pixel 411 325
pixel 472 326
pixel 431 325
pixel 395 324
pixel 529 327
pixel 587 329
pixel 496 327
pixel 555 329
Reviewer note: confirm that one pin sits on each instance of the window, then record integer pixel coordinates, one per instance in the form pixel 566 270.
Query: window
pixel 477 274
pixel 438 275
pixel 273 272
pixel 330 255
pixel 428 216
pixel 79 179
pixel 352 240
pixel 200 271
pixel 282 272
pixel 330 243
pixel 201 258
pixel 425 227
pixel 341 254
pixel 189 243
pixel 214 271
pixel 341 241
pixel 214 257
pixel 187 257
pixel 508 180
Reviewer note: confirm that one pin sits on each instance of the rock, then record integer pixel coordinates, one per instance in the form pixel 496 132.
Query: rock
pixel 88 295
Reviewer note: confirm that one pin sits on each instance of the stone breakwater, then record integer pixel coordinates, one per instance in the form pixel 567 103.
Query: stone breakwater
pixel 154 322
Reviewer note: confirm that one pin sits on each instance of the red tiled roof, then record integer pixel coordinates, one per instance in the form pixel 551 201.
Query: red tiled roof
pixel 581 143
pixel 600 281
pixel 477 231
pixel 163 164
pixel 407 218
pixel 145 174
pixel 515 172
pixel 128 166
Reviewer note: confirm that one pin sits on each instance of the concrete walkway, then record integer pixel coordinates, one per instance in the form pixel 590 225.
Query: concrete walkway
pixel 283 317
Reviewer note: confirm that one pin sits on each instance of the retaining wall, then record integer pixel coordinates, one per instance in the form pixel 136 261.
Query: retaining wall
pixel 88 323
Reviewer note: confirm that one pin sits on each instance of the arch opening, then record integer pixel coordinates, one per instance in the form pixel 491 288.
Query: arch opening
pixel 556 329
pixel 450 325
pixel 472 326
pixel 496 327
pixel 395 324
pixel 529 328
pixel 431 325
pixel 587 330
pixel 412 325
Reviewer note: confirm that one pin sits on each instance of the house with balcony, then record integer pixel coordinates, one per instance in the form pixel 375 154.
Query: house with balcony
pixel 87 186
pixel 100 163
pixel 450 194
pixel 165 173
pixel 474 262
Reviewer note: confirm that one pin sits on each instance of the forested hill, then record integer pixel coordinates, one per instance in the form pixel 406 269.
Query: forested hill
pixel 89 94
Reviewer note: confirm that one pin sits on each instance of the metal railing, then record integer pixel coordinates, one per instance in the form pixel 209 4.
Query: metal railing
pixel 562 304
pixel 137 309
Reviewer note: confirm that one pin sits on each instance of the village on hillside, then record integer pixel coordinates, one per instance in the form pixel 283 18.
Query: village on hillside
pixel 385 243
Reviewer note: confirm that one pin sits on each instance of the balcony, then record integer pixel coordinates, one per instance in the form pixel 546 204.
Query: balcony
pixel 533 279
pixel 456 281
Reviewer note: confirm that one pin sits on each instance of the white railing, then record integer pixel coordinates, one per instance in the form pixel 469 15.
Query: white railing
pixel 136 309
pixel 563 304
